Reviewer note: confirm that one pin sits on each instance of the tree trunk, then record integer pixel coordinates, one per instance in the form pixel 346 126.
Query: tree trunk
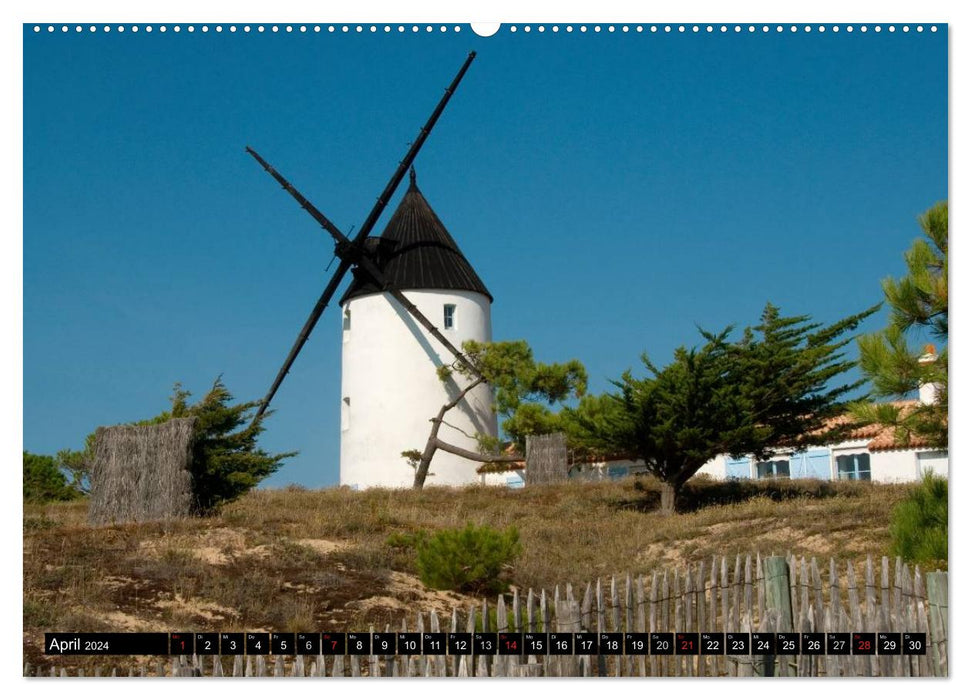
pixel 669 496
pixel 434 444
pixel 421 473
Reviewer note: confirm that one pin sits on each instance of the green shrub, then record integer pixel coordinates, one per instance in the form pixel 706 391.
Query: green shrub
pixel 44 482
pixel 226 462
pixel 471 560
pixel 918 525
pixel 406 540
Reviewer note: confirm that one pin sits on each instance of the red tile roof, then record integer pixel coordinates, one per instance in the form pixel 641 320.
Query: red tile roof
pixel 881 437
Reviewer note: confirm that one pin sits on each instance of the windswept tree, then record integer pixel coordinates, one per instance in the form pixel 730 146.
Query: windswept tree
pixel 226 461
pixel 597 428
pixel 775 387
pixel 524 391
pixel 892 361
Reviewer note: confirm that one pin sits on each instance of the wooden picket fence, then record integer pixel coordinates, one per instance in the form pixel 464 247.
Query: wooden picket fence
pixel 720 596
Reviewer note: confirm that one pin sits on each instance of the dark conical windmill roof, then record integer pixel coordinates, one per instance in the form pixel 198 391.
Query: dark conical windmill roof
pixel 416 252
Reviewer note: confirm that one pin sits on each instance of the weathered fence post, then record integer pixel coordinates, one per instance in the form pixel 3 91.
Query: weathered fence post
pixel 778 599
pixel 546 459
pixel 141 472
pixel 601 628
pixel 676 603
pixel 937 619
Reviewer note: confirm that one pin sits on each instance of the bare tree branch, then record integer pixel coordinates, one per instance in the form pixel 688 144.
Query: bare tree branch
pixel 421 473
pixel 475 456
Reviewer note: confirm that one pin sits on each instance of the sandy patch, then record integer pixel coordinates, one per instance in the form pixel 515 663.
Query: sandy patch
pixel 217 547
pixel 406 595
pixel 113 583
pixel 211 555
pixel 859 545
pixel 323 546
pixel 782 539
pixel 381 602
pixel 817 544
pixel 128 623
pixel 721 528
pixel 410 590
pixel 786 534
pixel 205 609
pixel 218 539
pixel 663 554
pixel 260 551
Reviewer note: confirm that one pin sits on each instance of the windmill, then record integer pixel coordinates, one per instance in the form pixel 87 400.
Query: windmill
pixel 390 353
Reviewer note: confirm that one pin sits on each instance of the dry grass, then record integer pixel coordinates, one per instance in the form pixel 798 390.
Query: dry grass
pixel 287 559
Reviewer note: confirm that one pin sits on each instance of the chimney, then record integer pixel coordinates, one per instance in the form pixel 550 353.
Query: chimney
pixel 928 392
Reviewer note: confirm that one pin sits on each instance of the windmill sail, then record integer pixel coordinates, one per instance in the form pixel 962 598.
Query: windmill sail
pixel 352 252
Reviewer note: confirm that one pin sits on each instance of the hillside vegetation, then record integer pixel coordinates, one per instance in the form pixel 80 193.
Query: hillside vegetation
pixel 295 559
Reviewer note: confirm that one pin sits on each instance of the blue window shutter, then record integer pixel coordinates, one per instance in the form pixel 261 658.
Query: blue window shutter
pixel 617 472
pixel 817 465
pixel 738 468
pixel 797 465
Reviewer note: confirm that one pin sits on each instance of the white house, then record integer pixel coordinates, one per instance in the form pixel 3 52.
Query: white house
pixel 512 475
pixel 868 454
pixel 389 385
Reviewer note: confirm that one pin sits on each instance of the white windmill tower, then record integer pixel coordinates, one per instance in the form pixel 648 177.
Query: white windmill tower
pixel 394 342
pixel 389 385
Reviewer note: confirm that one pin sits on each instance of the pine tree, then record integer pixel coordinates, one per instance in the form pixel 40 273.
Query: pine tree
pixel 226 462
pixel 895 367
pixel 44 482
pixel 918 524
pixel 776 387
pixel 789 371
pixel 471 560
pixel 679 417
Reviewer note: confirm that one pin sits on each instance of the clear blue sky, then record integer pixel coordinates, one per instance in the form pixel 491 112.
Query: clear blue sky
pixel 612 191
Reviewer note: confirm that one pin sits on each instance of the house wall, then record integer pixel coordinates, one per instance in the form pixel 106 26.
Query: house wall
pixel 908 465
pixel 512 479
pixel 934 461
pixel 715 468
pixel 886 466
pixel 598 471
pixel 891 466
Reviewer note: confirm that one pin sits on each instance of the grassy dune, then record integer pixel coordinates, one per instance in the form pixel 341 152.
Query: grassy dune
pixel 296 559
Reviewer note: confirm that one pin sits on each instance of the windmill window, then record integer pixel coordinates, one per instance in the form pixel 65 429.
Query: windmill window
pixel 346 413
pixel 774 469
pixel 449 316
pixel 347 319
pixel 853 467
